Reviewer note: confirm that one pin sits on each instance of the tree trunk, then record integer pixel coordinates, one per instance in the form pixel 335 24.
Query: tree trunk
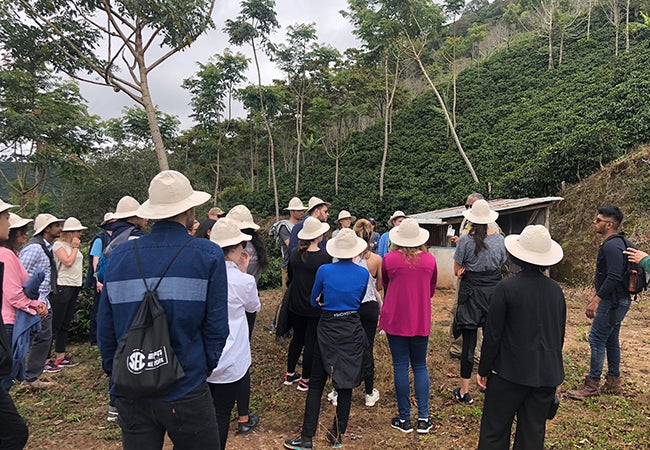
pixel 627 26
pixel 301 103
pixel 589 19
pixel 550 43
pixel 336 174
pixel 389 97
pixel 559 60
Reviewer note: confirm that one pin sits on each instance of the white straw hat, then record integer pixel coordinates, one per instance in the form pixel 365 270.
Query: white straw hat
pixel 225 232
pixel 42 221
pixel 295 204
pixel 107 218
pixel 314 202
pixel 396 215
pixel 73 224
pixel 126 207
pixel 170 193
pixel 480 213
pixel 242 216
pixel 15 221
pixel 408 234
pixel 346 245
pixel 346 215
pixel 312 228
pixel 5 206
pixel 534 245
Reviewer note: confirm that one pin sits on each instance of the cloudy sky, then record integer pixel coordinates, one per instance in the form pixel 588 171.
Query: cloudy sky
pixel 166 79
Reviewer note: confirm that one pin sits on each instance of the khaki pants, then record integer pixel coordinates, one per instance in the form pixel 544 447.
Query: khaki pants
pixel 456 345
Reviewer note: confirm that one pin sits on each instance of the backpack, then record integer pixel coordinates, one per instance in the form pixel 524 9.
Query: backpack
pixel 90 273
pixel 635 278
pixel 106 253
pixel 145 364
pixel 274 232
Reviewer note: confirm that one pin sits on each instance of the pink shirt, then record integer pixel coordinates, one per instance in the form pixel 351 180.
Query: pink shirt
pixel 13 297
pixel 409 288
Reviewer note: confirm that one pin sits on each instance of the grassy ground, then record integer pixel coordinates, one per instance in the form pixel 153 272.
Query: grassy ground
pixel 73 415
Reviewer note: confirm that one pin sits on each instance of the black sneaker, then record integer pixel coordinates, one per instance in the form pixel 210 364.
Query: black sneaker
pixel 298 443
pixel 462 398
pixel 335 439
pixel 245 428
pixel 289 379
pixel 403 425
pixel 424 425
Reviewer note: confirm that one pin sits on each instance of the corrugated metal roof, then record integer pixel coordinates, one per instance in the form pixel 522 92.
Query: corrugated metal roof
pixel 501 204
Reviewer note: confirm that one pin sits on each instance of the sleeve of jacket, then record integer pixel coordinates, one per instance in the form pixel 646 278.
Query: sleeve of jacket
pixel 106 339
pixel 318 287
pixel 615 265
pixel 493 331
pixel 215 329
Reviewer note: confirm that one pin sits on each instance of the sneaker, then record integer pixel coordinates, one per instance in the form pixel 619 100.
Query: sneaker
pixel 245 428
pixel 335 439
pixel 372 398
pixel 424 425
pixel 51 367
pixel 38 384
pixel 403 425
pixel 303 385
pixel 65 362
pixel 462 398
pixel 333 397
pixel 289 379
pixel 112 413
pixel 298 443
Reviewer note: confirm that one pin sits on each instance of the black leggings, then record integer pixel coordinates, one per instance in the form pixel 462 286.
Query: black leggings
pixel 304 335
pixel 369 314
pixel 224 397
pixel 467 356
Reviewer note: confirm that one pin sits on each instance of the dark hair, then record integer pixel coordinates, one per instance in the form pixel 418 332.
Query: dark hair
pixel 204 227
pixel 303 245
pixel 478 232
pixel 229 248
pixel 13 235
pixel 260 248
pixel 526 265
pixel 475 195
pixel 612 212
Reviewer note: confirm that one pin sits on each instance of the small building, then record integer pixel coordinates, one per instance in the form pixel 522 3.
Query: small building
pixel 514 216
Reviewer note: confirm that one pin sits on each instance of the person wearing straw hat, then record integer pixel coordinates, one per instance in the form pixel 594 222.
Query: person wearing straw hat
pixel 301 316
pixel 230 381
pixel 194 294
pixel 317 208
pixel 126 219
pixel 384 240
pixel 37 256
pixel 259 259
pixel 342 351
pixel 477 262
pixel 409 274
pixel 344 220
pixel 283 230
pixel 216 213
pixel 521 364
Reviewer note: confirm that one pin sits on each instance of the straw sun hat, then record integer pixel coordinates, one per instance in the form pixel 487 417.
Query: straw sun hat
pixel 73 224
pixel 534 245
pixel 5 206
pixel 480 213
pixel 345 215
pixel 312 228
pixel 408 234
pixel 170 193
pixel 42 221
pixel 126 207
pixel 225 232
pixel 242 216
pixel 346 245
pixel 295 204
pixel 314 202
pixel 15 221
pixel 396 215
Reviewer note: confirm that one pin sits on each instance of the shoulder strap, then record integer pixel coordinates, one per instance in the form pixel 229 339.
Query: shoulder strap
pixel 137 259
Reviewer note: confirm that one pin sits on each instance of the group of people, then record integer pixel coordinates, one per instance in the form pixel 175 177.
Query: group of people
pixel 336 294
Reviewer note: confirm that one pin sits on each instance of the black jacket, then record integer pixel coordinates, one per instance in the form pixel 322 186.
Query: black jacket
pixel 474 293
pixel 6 358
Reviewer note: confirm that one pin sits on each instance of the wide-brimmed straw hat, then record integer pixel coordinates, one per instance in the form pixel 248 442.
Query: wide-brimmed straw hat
pixel 126 207
pixel 534 245
pixel 42 221
pixel 15 221
pixel 5 206
pixel 312 228
pixel 73 224
pixel 408 234
pixel 396 215
pixel 216 211
pixel 346 245
pixel 108 217
pixel 242 216
pixel 170 193
pixel 226 232
pixel 480 213
pixel 345 215
pixel 295 204
pixel 314 202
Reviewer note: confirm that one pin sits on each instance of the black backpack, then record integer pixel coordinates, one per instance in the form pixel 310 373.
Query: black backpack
pixel 145 364
pixel 634 276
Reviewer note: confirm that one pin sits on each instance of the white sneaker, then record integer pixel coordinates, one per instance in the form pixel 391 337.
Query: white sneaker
pixel 112 413
pixel 372 398
pixel 333 397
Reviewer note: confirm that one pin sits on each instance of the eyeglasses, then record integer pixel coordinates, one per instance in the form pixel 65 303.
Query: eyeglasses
pixel 598 220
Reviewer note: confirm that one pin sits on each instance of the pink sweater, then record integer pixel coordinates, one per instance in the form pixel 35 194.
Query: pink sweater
pixel 409 288
pixel 13 297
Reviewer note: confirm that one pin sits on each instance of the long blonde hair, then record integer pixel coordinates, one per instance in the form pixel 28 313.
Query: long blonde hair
pixel 411 254
pixel 363 229
pixel 66 236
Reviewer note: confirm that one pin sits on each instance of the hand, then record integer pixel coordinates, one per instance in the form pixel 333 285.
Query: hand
pixel 592 306
pixel 244 260
pixel 99 285
pixel 76 242
pixel 460 272
pixel 454 240
pixel 41 310
pixel 481 381
pixel 634 255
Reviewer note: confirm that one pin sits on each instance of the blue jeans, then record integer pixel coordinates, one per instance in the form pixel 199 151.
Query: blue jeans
pixel 413 350
pixel 603 338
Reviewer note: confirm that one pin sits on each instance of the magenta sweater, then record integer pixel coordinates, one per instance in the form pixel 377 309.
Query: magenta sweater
pixel 409 288
pixel 13 297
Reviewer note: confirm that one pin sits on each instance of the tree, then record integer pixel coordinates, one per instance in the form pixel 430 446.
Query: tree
pixel 71 34
pixel 612 9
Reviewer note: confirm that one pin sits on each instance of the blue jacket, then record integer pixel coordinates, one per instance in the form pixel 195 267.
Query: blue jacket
pixel 25 326
pixel 194 294
pixel 294 240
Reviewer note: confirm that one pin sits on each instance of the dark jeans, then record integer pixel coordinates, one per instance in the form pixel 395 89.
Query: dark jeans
pixel 7 381
pixel 39 350
pixel 467 354
pixel 224 397
pixel 410 350
pixel 504 399
pixel 64 304
pixel 369 314
pixel 314 397
pixel 13 430
pixel 603 338
pixel 190 422
pixel 93 316
pixel 304 335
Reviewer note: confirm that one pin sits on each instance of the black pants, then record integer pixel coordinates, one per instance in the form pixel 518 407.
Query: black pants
pixel 314 397
pixel 64 304
pixel 504 399
pixel 190 422
pixel 224 397
pixel 467 355
pixel 93 316
pixel 13 430
pixel 304 335
pixel 369 314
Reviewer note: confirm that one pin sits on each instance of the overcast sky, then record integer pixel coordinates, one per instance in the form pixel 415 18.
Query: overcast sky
pixel 165 80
